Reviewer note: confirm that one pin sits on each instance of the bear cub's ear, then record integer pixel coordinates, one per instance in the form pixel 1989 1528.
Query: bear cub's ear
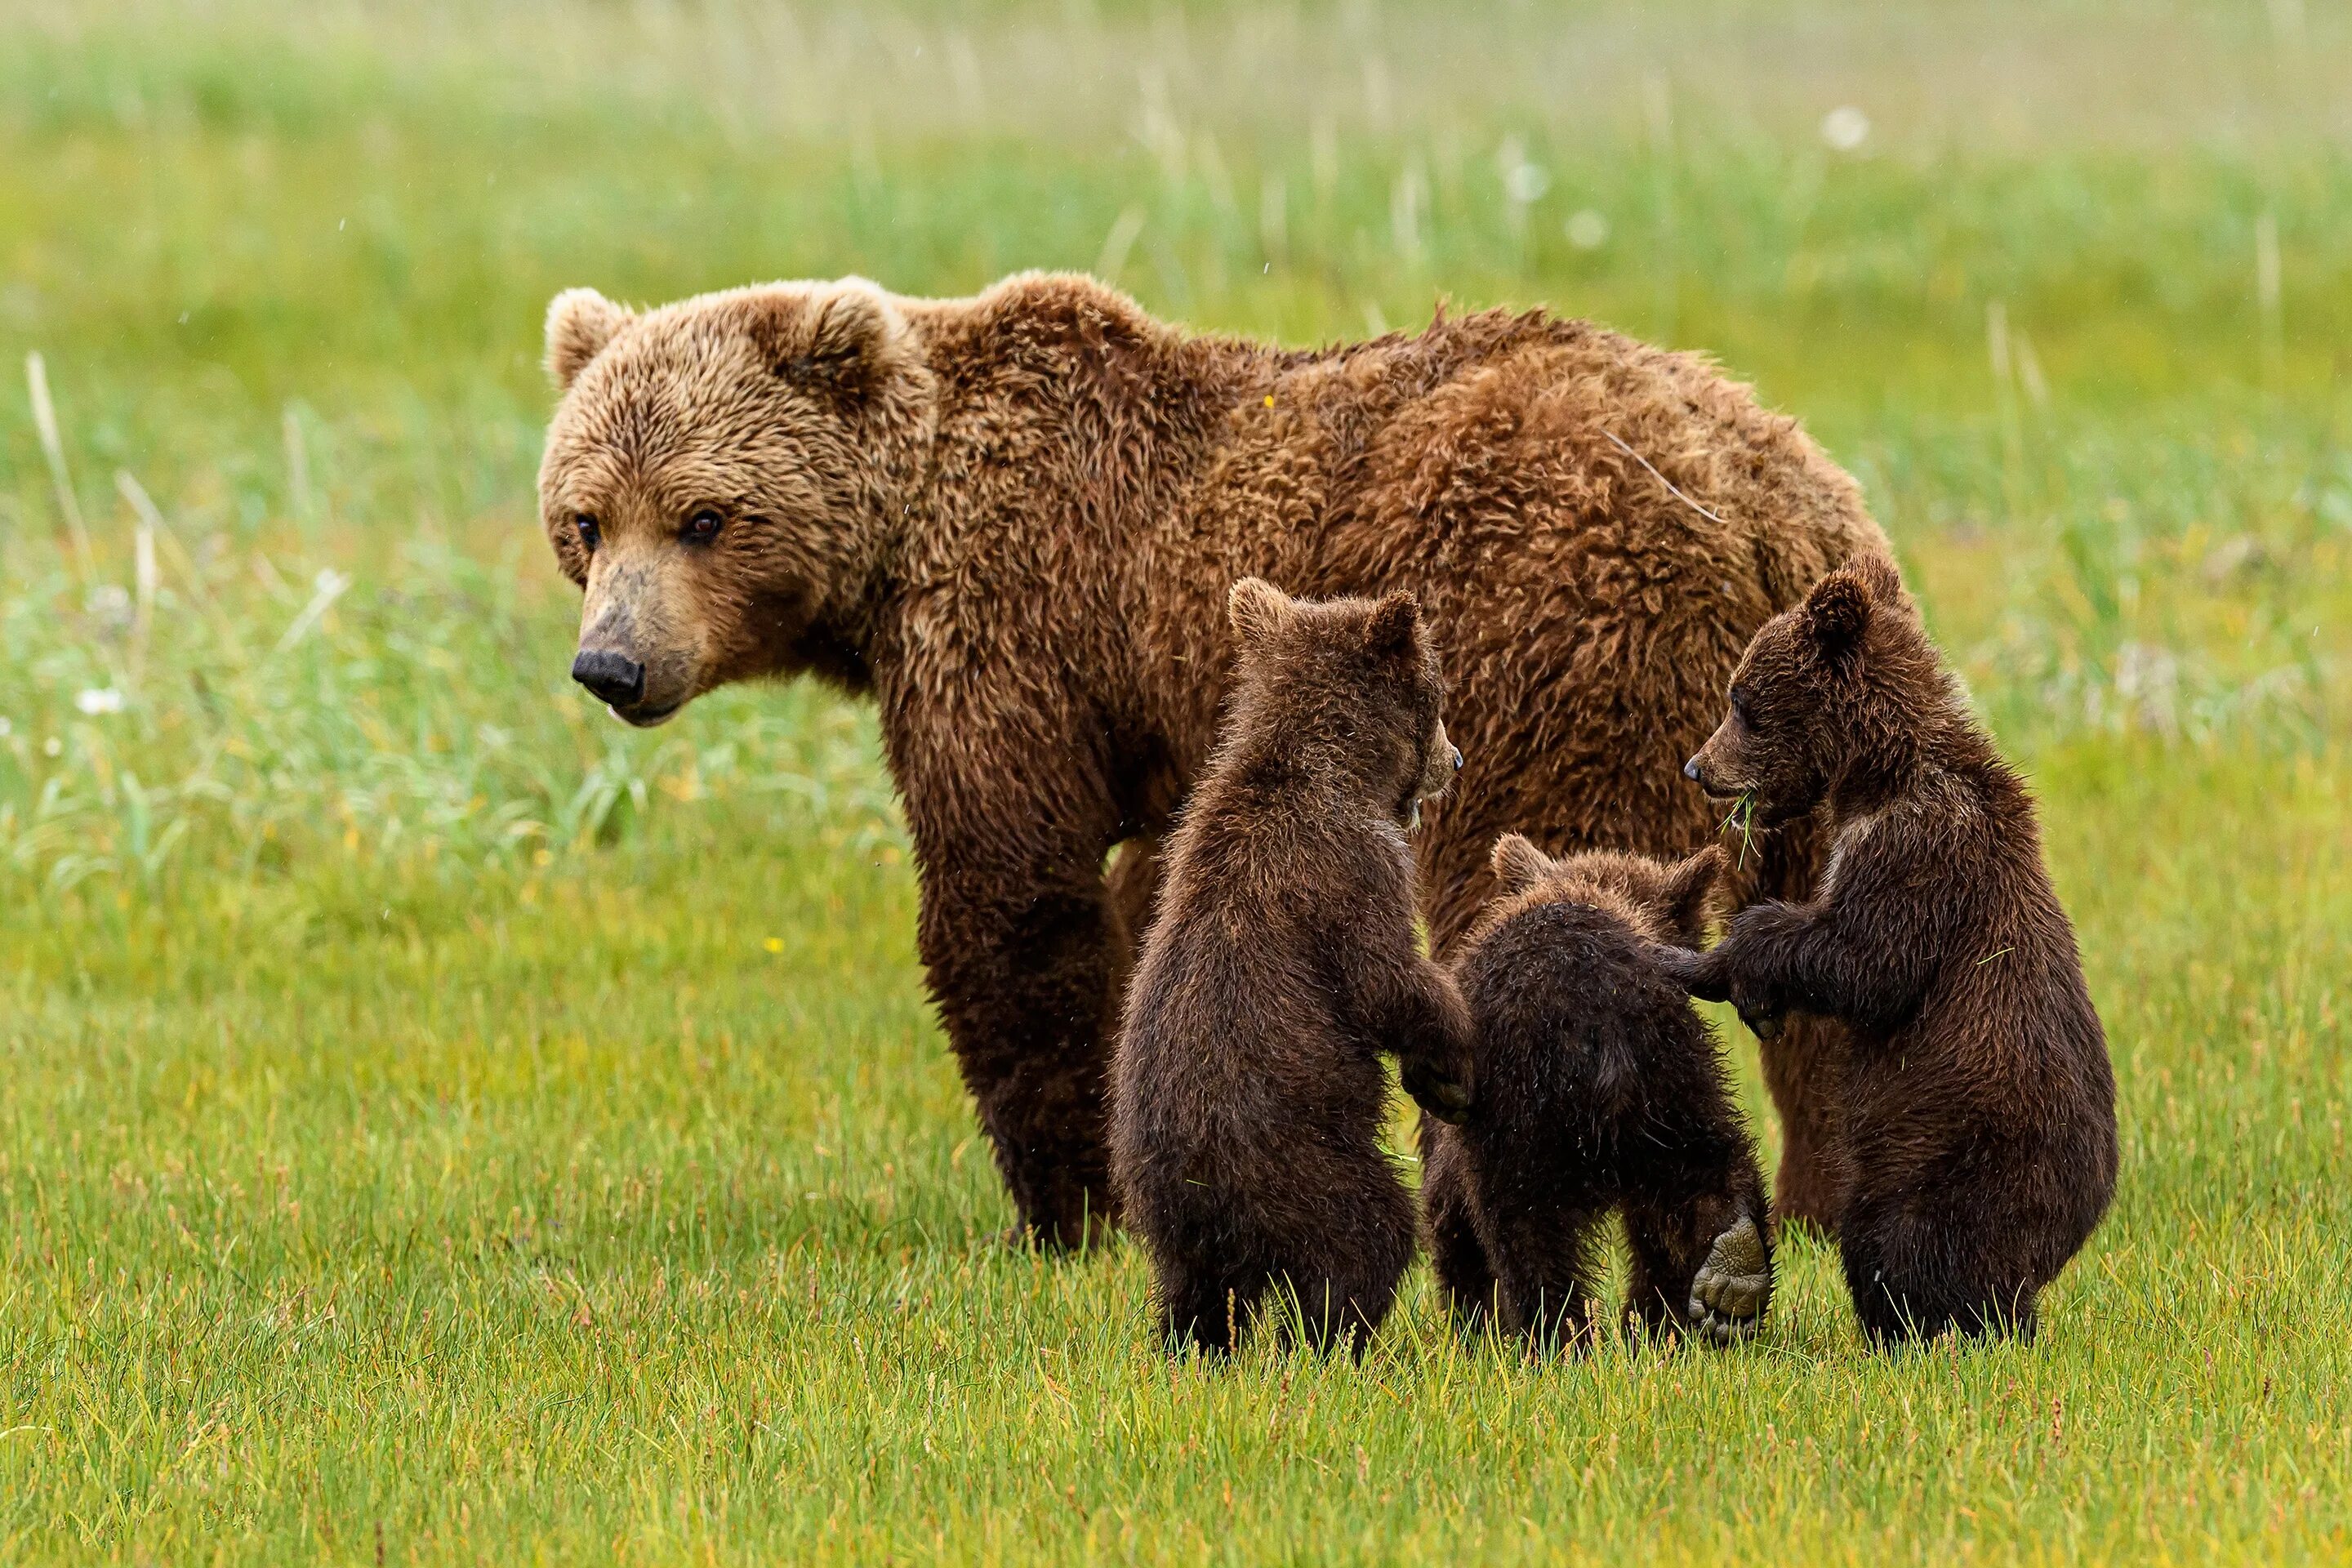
pixel 1838 612
pixel 579 323
pixel 1396 621
pixel 1690 895
pixel 1877 573
pixel 1517 864
pixel 1839 608
pixel 1257 611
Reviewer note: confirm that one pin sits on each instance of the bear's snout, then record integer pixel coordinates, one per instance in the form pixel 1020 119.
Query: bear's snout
pixel 1690 772
pixel 615 677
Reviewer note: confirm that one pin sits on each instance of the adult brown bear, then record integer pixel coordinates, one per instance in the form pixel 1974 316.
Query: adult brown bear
pixel 1012 520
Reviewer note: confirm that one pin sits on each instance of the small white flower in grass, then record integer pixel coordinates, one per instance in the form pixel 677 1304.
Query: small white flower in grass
pixel 1587 229
pixel 1846 128
pixel 98 699
pixel 6 729
pixel 52 746
pixel 1523 182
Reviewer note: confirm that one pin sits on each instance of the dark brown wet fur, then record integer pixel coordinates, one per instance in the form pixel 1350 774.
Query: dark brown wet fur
pixel 1248 1092
pixel 1600 1092
pixel 1012 520
pixel 1979 1100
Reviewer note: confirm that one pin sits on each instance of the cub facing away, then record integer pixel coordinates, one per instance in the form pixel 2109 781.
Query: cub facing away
pixel 1247 1091
pixel 1978 1105
pixel 1599 1090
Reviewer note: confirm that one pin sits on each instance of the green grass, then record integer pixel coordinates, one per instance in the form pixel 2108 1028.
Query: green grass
pixel 436 1125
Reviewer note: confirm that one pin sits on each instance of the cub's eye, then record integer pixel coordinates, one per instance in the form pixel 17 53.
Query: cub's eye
pixel 1739 708
pixel 587 527
pixel 702 526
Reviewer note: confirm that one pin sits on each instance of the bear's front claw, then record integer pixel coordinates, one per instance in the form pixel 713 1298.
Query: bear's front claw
pixel 1730 1289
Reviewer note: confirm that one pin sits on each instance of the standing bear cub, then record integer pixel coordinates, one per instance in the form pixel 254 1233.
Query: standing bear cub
pixel 1599 1090
pixel 1979 1106
pixel 1247 1093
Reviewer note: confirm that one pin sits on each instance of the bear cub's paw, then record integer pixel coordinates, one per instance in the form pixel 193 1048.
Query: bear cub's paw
pixel 1438 1093
pixel 1729 1291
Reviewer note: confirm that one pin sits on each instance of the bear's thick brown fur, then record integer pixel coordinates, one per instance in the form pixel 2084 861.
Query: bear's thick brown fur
pixel 1599 1092
pixel 1247 1093
pixel 1012 519
pixel 1980 1105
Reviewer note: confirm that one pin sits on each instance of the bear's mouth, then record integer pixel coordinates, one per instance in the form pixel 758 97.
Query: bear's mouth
pixel 645 716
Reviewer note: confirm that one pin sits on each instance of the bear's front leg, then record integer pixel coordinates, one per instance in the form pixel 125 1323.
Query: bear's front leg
pixel 1022 966
pixel 1409 1006
pixel 1753 967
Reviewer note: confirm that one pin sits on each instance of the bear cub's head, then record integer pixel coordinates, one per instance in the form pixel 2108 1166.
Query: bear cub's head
pixel 1669 901
pixel 1347 690
pixel 722 476
pixel 1817 688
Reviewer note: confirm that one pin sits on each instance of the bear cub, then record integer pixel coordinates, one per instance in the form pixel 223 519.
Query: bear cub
pixel 1978 1105
pixel 1599 1090
pixel 1247 1093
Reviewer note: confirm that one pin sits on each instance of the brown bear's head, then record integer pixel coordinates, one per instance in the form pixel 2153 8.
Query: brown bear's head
pixel 1815 688
pixel 1670 902
pixel 1350 687
pixel 722 476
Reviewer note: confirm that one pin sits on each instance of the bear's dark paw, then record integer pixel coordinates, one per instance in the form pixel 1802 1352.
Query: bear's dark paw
pixel 1729 1291
pixel 1447 1099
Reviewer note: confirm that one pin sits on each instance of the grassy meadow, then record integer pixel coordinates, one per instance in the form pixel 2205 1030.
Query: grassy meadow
pixel 437 1124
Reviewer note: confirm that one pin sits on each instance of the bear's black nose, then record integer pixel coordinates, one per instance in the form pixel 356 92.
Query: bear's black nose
pixel 611 676
pixel 1458 757
pixel 1690 770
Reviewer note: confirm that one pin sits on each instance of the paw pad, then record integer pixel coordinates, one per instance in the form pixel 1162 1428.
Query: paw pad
pixel 1730 1289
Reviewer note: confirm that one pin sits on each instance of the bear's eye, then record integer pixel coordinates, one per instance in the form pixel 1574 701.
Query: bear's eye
pixel 702 526
pixel 587 527
pixel 1739 707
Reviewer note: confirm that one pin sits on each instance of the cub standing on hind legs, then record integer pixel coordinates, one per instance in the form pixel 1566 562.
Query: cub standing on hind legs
pixel 1247 1094
pixel 1979 1106
pixel 1598 1090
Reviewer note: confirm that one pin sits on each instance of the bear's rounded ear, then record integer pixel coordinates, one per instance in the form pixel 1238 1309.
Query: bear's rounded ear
pixel 1690 894
pixel 1876 572
pixel 1257 611
pixel 1396 620
pixel 1517 864
pixel 579 323
pixel 844 337
pixel 1838 612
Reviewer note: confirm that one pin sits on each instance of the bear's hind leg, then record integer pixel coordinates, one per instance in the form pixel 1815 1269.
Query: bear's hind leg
pixel 1463 1273
pixel 1547 1276
pixel 1911 1278
pixel 1206 1311
pixel 1704 1265
pixel 1344 1293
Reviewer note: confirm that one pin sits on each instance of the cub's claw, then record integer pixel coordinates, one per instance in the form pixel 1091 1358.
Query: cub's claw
pixel 1729 1291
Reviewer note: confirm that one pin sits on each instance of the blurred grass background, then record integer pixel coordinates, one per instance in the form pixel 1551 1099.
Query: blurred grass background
pixel 436 1123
